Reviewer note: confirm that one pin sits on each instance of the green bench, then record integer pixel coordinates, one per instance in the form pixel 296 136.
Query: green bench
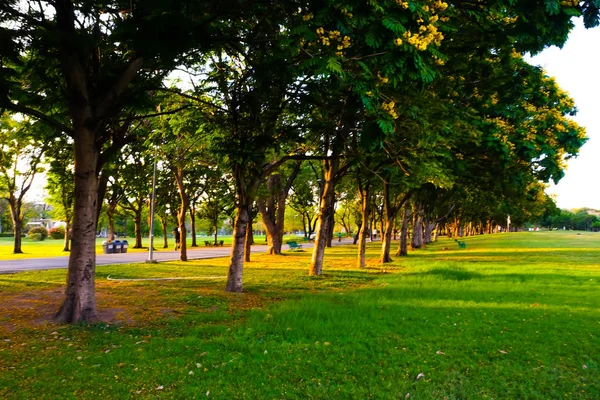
pixel 294 246
pixel 461 244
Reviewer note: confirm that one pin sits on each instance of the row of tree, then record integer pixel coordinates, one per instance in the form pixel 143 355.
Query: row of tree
pixel 426 100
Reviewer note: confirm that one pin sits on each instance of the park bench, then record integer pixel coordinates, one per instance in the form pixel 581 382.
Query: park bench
pixel 461 244
pixel 294 246
pixel 221 242
pixel 207 243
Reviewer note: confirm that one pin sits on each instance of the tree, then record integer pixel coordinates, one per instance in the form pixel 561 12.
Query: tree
pixel 272 205
pixel 20 160
pixel 60 184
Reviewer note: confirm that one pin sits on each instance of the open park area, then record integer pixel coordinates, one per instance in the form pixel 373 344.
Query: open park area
pixel 512 316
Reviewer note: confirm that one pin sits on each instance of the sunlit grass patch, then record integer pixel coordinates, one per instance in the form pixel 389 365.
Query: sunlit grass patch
pixel 512 316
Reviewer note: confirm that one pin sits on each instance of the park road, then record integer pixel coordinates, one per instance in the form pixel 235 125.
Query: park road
pixel 194 253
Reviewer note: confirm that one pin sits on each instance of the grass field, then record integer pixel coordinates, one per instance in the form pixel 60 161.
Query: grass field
pixel 511 317
pixel 54 248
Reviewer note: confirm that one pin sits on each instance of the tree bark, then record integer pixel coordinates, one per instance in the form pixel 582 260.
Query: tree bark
pixel 80 300
pixel 429 228
pixel 364 190
pixel 193 222
pixel 403 244
pixel 272 210
pixel 137 223
pixel 417 237
pixel 236 267
pixel 164 222
pixel 17 220
pixel 67 242
pixel 331 226
pixel 249 241
pixel 181 215
pixel 325 210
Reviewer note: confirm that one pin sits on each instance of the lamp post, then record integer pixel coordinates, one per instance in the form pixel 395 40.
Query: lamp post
pixel 151 247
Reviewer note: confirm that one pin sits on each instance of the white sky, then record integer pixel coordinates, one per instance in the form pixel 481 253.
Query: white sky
pixel 576 68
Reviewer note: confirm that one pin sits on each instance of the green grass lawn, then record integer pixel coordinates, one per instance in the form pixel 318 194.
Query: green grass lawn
pixel 513 316
pixel 54 248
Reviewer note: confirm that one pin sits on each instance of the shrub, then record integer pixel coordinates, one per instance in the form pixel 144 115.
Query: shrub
pixel 36 237
pixel 42 231
pixel 57 233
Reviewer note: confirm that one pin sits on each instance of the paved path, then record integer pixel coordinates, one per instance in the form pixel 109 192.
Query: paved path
pixel 31 264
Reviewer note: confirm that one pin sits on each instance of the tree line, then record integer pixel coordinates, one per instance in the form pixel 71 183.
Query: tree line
pixel 428 103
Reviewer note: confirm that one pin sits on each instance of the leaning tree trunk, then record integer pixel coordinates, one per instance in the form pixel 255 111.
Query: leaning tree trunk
pixel 403 244
pixel 67 237
pixel 417 237
pixel 325 210
pixel 193 218
pixel 17 220
pixel 137 223
pixel 365 212
pixel 80 300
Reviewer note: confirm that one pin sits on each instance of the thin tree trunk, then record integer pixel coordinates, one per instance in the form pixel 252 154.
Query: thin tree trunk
pixel 330 227
pixel 137 222
pixel 164 221
pixel 326 209
pixel 111 224
pixel 193 218
pixel 185 204
pixel 365 212
pixel 67 242
pixel 17 220
pixel 249 241
pixel 80 300
pixel 403 244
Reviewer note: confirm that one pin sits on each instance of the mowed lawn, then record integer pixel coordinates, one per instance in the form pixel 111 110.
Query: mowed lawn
pixel 514 316
pixel 54 248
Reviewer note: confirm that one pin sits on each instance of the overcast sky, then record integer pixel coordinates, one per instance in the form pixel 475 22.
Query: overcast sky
pixel 576 68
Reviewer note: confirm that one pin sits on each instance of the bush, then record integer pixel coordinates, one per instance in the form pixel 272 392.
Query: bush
pixel 42 231
pixel 57 233
pixel 36 237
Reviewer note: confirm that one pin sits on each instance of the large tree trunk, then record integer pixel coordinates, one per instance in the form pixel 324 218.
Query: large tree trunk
pixel 417 237
pixel 325 211
pixel 67 241
pixel 17 220
pixel 365 211
pixel 80 300
pixel 403 244
pixel 193 221
pixel 137 223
